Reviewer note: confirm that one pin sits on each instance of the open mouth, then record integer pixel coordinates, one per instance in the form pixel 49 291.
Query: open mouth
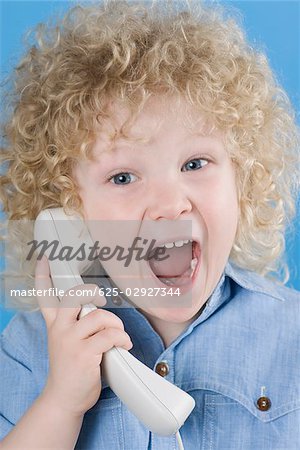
pixel 178 262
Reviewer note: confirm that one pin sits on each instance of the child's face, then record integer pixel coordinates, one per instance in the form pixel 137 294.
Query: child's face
pixel 162 186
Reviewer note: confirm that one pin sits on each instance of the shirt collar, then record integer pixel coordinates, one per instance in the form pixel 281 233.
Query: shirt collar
pixel 254 282
pixel 141 331
pixel 139 328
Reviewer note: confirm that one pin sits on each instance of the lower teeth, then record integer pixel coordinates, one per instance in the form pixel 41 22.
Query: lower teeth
pixel 170 281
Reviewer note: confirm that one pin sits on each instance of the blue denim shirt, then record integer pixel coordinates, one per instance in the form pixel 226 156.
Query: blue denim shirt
pixel 245 345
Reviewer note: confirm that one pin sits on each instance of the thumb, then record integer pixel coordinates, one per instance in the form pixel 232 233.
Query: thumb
pixel 48 302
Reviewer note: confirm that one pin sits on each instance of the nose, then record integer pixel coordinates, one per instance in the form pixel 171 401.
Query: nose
pixel 167 201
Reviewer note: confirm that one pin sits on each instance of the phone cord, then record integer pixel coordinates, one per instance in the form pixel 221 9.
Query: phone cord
pixel 179 440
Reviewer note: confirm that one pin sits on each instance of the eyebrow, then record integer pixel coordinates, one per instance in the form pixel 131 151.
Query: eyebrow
pixel 210 143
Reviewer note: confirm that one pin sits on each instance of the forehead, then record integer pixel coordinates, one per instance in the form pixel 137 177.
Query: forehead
pixel 159 115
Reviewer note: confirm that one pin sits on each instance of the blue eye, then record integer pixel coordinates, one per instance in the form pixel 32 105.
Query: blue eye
pixel 195 164
pixel 121 178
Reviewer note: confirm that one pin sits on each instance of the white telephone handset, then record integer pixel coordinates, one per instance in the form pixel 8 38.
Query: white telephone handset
pixel 160 405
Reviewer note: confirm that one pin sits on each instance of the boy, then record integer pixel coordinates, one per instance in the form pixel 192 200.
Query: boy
pixel 128 112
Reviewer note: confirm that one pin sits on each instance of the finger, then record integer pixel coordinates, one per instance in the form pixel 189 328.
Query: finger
pixel 73 300
pixel 47 301
pixel 100 300
pixel 96 321
pixel 106 339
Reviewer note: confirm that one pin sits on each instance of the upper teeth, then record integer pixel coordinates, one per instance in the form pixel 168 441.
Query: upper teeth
pixel 176 243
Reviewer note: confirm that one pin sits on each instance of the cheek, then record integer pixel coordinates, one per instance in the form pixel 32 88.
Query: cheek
pixel 99 206
pixel 218 206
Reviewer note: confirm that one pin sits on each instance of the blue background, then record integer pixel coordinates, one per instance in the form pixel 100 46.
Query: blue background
pixel 273 26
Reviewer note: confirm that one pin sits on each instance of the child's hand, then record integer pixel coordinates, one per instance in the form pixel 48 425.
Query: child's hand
pixel 76 346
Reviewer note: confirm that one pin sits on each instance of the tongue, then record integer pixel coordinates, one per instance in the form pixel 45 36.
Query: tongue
pixel 178 261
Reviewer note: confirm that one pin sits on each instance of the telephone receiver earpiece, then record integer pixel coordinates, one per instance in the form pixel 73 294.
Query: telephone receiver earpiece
pixel 160 405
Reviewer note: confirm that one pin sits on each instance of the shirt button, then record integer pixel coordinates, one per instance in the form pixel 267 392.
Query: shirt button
pixel 263 403
pixel 162 369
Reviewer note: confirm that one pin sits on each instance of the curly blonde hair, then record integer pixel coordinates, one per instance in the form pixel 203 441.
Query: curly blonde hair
pixel 130 51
